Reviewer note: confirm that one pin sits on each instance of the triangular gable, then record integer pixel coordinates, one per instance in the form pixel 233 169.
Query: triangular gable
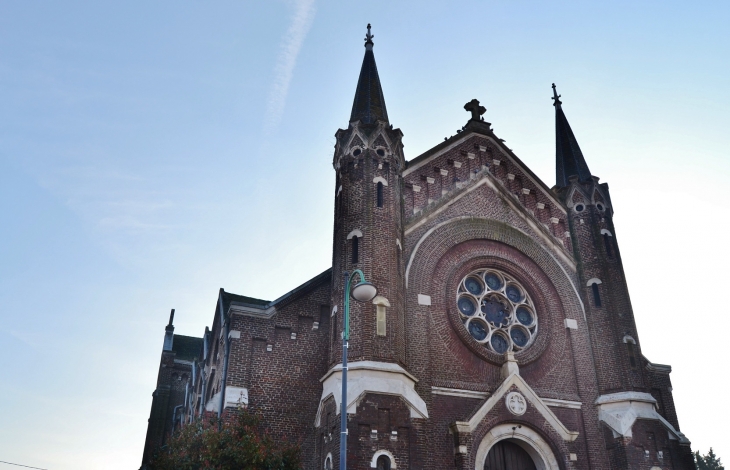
pixel 515 380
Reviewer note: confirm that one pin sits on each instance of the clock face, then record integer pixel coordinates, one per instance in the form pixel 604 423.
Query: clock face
pixel 496 311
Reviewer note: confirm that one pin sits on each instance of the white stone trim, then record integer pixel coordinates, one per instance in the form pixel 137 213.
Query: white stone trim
pixel 443 172
pixel 538 184
pixel 541 231
pixel 234 334
pixel 416 188
pixel 659 368
pixel 510 176
pixel 355 233
pixel 525 191
pixel 574 405
pixel 329 457
pixel 592 281
pixel 540 205
pixel 334 311
pixel 531 397
pixel 457 164
pixel 380 179
pixel 380 300
pixel 629 339
pixel 397 242
pixel 458 392
pixel 529 440
pixel 571 324
pixel 606 232
pixel 621 410
pixel 374 461
pixel 430 180
pixel 371 377
pixel 424 299
pixel 570 263
pixel 471 156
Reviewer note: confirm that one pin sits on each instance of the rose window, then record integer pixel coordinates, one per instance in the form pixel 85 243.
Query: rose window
pixel 496 311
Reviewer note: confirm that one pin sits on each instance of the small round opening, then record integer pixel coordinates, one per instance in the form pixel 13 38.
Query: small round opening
pixel 579 207
pixel 356 152
pixel 380 152
pixel 600 206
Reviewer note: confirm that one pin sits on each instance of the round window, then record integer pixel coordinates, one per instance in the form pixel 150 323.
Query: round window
pixel 600 207
pixel 496 311
pixel 356 152
pixel 380 152
pixel 579 207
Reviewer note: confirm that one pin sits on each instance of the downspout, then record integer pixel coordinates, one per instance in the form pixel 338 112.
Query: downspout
pixel 203 392
pixel 174 417
pixel 225 357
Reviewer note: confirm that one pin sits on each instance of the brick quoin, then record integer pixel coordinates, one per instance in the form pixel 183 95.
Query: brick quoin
pixel 426 393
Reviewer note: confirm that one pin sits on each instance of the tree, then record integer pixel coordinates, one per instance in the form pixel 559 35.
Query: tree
pixel 236 445
pixel 707 462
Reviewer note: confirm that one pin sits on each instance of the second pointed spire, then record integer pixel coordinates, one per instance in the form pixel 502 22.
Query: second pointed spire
pixel 369 104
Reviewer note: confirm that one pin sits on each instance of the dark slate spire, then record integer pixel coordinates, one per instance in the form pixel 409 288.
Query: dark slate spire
pixel 568 157
pixel 369 104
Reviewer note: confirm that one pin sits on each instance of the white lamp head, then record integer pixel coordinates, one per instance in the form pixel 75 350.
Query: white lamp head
pixel 364 292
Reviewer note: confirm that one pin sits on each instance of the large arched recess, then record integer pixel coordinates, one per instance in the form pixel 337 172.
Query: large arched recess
pixel 435 264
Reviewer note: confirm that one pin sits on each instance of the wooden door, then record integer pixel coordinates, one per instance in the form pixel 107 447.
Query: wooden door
pixel 506 455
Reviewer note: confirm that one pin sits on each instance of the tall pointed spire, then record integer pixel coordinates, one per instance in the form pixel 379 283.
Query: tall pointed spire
pixel 369 103
pixel 569 159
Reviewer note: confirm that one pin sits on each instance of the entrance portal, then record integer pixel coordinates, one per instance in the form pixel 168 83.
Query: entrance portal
pixel 506 455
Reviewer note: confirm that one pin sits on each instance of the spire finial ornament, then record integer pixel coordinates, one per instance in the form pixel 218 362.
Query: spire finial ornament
pixel 556 97
pixel 369 39
pixel 475 109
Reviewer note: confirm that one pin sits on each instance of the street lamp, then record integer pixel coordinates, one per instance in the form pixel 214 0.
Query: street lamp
pixel 362 292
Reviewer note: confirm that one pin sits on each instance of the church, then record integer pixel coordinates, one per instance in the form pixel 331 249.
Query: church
pixel 497 333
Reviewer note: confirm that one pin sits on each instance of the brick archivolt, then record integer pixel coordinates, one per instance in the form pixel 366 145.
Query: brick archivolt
pixel 446 254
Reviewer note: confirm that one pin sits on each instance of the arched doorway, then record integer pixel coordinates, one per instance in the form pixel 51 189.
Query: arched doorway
pixel 507 455
pixel 507 435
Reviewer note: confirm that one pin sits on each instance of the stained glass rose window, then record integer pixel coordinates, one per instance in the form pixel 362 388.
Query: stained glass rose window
pixel 496 311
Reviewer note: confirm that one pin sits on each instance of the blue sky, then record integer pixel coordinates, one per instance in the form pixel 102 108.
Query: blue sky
pixel 152 152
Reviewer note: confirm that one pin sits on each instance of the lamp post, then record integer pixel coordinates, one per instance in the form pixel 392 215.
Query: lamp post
pixel 362 292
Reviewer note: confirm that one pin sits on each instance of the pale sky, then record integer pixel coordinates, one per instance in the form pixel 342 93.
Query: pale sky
pixel 153 152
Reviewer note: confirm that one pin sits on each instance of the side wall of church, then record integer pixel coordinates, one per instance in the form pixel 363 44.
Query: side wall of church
pixel 280 361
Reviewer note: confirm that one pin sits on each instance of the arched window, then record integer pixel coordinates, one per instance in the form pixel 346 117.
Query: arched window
pixel 380 194
pixel 596 295
pixel 383 463
pixel 607 244
pixel 355 250
pixel 631 349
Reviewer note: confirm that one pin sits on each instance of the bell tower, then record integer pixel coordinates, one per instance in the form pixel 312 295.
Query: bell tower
pixel 368 223
pixel 603 286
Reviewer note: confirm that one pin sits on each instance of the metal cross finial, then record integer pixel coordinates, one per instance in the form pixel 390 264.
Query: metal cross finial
pixel 556 97
pixel 475 109
pixel 369 37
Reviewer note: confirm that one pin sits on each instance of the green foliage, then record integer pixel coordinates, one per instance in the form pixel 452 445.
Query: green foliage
pixel 707 462
pixel 237 445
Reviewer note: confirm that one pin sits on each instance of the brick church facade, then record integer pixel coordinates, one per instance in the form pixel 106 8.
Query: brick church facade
pixel 502 335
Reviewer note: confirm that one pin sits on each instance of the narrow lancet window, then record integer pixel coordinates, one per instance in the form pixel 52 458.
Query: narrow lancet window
pixel 632 355
pixel 380 194
pixel 355 250
pixel 596 295
pixel 607 243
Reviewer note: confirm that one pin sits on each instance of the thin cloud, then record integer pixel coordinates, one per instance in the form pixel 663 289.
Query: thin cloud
pixel 290 46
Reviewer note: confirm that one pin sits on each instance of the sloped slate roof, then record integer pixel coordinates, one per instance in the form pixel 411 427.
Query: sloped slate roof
pixel 369 103
pixel 187 348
